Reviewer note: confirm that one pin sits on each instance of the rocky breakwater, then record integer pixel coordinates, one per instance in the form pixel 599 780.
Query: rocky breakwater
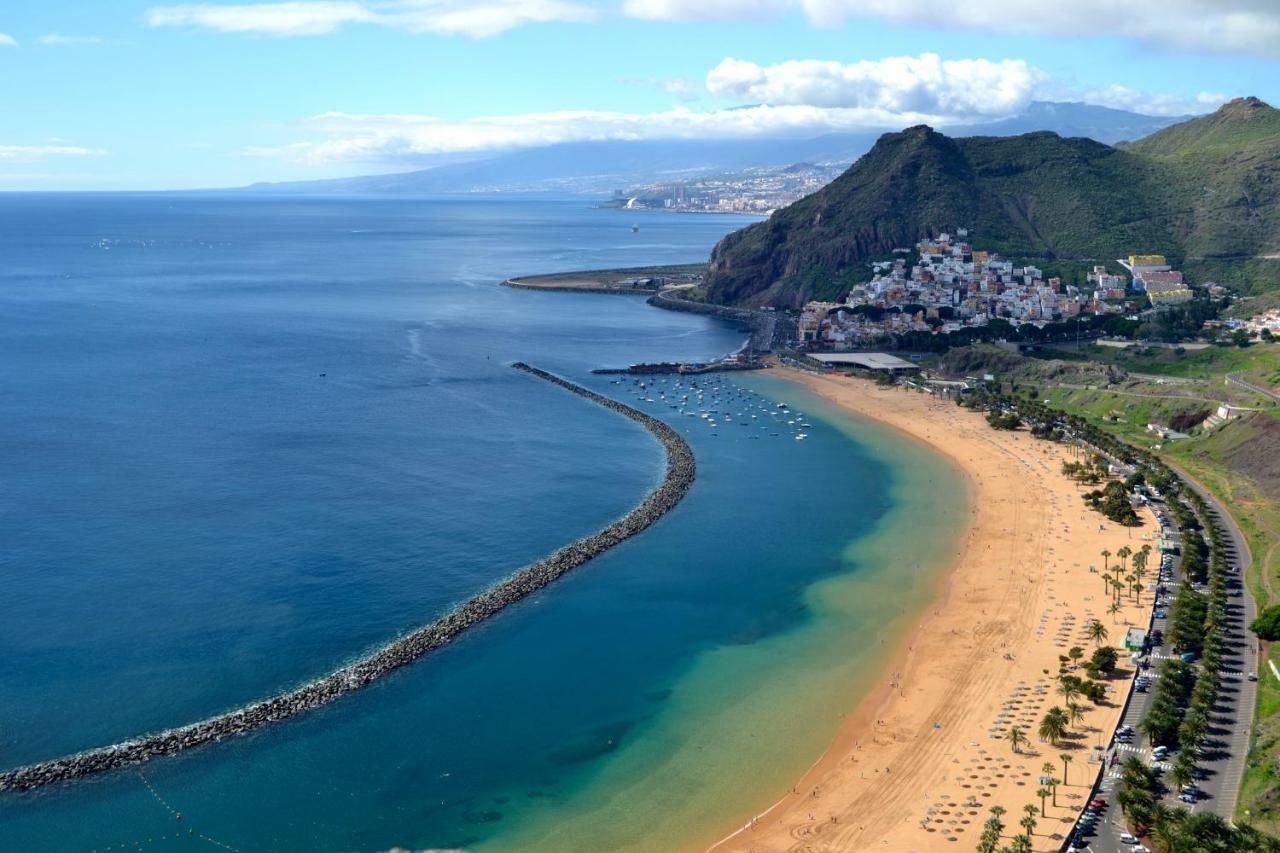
pixel 381 662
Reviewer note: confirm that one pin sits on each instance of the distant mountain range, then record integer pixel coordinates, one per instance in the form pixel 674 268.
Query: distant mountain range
pixel 600 167
pixel 1204 191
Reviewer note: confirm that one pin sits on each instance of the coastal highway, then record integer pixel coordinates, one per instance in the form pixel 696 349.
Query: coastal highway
pixel 1229 746
pixel 1226 751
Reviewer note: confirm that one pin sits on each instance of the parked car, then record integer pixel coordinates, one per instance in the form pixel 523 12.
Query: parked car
pixel 1253 676
pixel 1126 838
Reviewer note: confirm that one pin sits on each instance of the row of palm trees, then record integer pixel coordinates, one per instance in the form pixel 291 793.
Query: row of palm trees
pixel 989 841
pixel 1170 829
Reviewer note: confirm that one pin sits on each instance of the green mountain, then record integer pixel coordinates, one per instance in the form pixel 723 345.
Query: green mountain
pixel 1203 192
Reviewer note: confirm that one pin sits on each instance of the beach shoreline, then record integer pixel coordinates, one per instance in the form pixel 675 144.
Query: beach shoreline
pixel 931 717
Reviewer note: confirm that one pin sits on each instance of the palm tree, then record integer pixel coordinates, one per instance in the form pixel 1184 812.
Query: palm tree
pixel 1113 610
pixel 1123 554
pixel 1097 631
pixel 1075 713
pixel 1069 690
pixel 1043 794
pixel 1164 827
pixel 1016 738
pixel 1029 822
pixel 1066 756
pixel 1180 774
pixel 1053 726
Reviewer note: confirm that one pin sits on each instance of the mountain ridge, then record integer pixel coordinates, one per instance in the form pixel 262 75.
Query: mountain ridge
pixel 601 166
pixel 1203 191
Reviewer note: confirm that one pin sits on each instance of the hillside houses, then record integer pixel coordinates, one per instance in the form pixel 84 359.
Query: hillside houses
pixel 949 287
pixel 1163 284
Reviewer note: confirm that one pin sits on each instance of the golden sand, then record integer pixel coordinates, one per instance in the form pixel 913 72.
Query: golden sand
pixel 921 761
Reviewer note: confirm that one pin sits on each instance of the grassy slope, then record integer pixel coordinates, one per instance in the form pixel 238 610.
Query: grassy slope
pixel 1257 362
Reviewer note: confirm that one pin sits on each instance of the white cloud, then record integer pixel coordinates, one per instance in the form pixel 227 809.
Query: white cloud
pixel 922 85
pixel 35 152
pixel 703 10
pixel 59 39
pixel 1153 103
pixel 478 18
pixel 410 138
pixel 275 19
pixel 7 40
pixel 681 87
pixel 1224 26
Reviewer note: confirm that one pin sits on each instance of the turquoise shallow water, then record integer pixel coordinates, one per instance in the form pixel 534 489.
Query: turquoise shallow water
pixel 247 439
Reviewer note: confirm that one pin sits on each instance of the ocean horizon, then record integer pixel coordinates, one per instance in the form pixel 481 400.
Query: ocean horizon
pixel 249 439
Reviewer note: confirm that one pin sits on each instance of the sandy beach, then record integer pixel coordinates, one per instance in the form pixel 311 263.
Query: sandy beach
pixel 919 763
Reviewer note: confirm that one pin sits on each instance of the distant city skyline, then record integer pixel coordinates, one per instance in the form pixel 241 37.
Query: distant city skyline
pixel 145 95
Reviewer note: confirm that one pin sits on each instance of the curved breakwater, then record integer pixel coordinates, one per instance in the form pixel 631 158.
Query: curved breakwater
pixel 400 652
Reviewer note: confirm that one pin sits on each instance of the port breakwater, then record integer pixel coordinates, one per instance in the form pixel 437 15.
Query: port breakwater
pixel 680 473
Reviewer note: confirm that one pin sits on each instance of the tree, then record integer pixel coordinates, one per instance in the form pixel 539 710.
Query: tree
pixel 1075 654
pixel 1053 726
pixel 1016 738
pixel 1097 631
pixel 1104 660
pixel 1074 715
pixel 1180 774
pixel 1066 756
pixel 1029 821
pixel 1267 625
pixel 1043 794
pixel 1113 610
pixel 990 835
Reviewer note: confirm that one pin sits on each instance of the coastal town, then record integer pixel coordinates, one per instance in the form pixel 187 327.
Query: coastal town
pixel 758 191
pixel 944 285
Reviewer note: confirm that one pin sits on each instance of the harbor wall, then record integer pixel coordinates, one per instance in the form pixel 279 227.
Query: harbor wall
pixel 400 652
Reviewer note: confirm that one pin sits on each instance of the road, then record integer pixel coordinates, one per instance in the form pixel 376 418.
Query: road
pixel 1226 751
pixel 1233 714
pixel 1234 379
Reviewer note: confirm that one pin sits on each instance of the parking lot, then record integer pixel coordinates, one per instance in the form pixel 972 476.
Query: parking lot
pixel 1222 760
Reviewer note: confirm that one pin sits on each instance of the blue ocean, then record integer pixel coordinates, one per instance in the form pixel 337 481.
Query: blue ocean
pixel 244 439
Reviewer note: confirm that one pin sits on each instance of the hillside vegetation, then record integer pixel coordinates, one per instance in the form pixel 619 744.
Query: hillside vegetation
pixel 1205 192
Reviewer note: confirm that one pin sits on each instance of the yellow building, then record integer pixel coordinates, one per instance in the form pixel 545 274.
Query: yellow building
pixel 1147 261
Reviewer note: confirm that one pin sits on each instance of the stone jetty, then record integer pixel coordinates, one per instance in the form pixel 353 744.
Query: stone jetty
pixel 402 651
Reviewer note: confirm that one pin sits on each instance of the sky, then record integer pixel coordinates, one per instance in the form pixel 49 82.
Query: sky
pixel 112 94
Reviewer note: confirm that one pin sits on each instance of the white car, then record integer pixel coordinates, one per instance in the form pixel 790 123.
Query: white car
pixel 1126 838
